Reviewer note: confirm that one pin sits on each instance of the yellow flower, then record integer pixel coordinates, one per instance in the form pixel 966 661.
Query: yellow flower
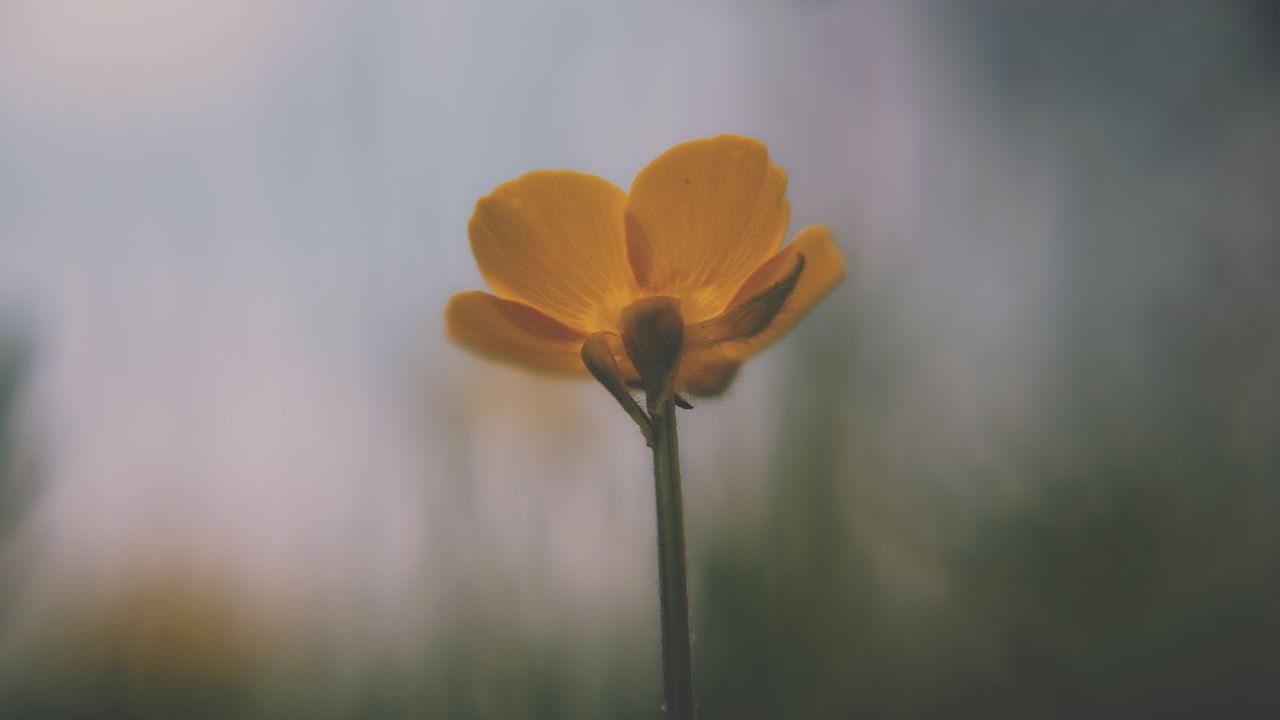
pixel 570 256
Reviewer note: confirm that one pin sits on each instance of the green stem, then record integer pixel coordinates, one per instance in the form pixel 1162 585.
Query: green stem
pixel 673 592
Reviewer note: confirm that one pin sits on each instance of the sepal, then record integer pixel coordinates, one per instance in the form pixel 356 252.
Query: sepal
pixel 749 317
pixel 598 354
pixel 653 333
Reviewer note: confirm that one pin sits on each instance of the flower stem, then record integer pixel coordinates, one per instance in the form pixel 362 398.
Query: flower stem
pixel 673 592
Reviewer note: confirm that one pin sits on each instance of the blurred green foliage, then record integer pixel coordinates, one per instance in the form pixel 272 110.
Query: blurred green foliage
pixel 14 357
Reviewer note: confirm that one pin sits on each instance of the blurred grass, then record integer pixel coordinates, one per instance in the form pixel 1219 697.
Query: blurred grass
pixel 1127 570
pixel 14 359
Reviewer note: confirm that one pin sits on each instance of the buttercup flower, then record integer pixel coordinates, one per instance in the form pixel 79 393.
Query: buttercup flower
pixel 669 288
pixel 584 274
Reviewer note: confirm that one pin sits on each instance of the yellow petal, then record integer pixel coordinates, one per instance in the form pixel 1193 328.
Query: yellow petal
pixel 823 270
pixel 555 240
pixel 514 333
pixel 707 371
pixel 701 217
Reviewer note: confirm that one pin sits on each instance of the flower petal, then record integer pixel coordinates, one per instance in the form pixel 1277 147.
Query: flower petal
pixel 701 217
pixel 707 371
pixel 823 270
pixel 555 239
pixel 514 333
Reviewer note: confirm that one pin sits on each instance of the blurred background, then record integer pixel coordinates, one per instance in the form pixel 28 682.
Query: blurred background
pixel 1023 463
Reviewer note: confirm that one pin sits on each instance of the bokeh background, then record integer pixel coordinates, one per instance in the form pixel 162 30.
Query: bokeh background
pixel 1023 463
